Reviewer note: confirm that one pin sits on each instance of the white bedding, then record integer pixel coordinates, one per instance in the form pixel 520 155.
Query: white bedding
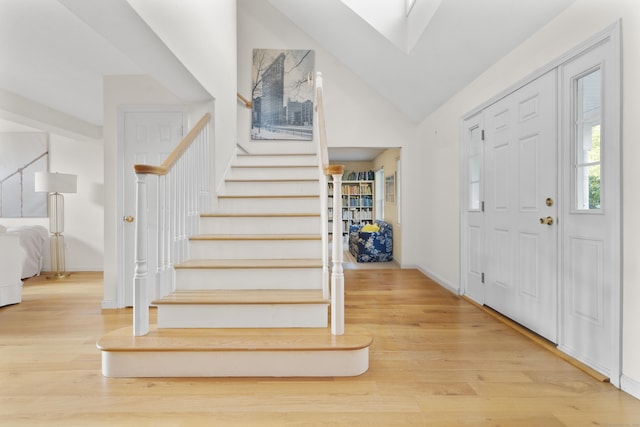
pixel 32 239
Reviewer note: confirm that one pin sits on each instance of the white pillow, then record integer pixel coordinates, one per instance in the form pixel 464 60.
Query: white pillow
pixel 3 229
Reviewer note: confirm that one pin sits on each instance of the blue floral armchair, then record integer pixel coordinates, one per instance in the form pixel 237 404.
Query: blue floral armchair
pixel 371 246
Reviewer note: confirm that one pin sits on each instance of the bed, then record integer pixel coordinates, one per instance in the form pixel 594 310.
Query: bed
pixel 21 256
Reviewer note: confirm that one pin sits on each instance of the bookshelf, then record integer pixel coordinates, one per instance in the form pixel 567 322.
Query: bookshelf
pixel 357 204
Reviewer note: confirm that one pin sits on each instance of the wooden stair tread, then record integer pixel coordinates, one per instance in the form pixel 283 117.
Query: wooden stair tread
pixel 275 166
pixel 278 339
pixel 246 237
pixel 259 180
pixel 244 296
pixel 258 215
pixel 251 263
pixel 268 196
pixel 240 154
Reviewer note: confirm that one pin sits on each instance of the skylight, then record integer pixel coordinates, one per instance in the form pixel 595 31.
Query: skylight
pixel 402 22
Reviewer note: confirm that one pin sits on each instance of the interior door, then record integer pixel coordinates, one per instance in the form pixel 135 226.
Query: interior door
pixel 148 137
pixel 521 206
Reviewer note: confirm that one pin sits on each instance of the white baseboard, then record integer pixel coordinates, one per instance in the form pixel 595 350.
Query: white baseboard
pixel 440 281
pixel 630 386
pixel 109 304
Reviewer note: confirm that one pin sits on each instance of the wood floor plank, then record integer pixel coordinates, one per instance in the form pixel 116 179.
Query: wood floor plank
pixel 436 360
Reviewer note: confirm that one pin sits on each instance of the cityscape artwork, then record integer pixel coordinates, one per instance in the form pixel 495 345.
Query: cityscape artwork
pixel 282 94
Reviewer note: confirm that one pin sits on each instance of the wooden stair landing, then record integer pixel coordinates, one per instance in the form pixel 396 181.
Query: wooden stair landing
pixel 280 352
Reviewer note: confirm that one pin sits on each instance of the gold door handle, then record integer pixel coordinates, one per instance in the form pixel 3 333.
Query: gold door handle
pixel 548 220
pixel 128 218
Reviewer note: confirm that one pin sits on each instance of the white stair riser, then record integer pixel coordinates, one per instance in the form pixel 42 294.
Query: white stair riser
pixel 293 160
pixel 260 225
pixel 242 315
pixel 307 172
pixel 268 205
pixel 299 363
pixel 248 278
pixel 255 249
pixel 272 188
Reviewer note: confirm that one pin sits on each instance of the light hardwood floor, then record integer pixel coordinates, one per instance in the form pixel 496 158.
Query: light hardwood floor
pixel 436 360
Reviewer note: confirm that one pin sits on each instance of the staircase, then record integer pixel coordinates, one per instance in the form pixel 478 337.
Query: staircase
pixel 249 300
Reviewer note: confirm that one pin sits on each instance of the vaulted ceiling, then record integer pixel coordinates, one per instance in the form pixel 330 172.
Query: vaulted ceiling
pixel 54 53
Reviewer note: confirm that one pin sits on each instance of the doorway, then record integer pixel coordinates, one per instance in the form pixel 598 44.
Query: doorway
pixel 147 136
pixel 540 223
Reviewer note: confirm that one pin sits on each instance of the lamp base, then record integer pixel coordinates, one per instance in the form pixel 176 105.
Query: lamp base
pixel 58 276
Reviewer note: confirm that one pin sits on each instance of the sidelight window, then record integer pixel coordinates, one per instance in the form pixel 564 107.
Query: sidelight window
pixel 475 151
pixel 588 122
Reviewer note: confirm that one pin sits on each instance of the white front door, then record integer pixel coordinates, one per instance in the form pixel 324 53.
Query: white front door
pixel 147 138
pixel 562 279
pixel 521 206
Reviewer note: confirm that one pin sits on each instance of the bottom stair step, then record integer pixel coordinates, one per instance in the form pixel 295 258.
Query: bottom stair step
pixel 311 352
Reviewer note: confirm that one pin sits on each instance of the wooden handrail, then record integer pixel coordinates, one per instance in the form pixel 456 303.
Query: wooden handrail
pixel 174 156
pixel 247 103
pixel 23 167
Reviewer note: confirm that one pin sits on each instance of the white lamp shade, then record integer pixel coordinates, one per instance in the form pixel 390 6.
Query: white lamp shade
pixel 56 182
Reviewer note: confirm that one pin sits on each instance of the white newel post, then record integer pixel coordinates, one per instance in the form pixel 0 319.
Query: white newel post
pixel 337 274
pixel 140 299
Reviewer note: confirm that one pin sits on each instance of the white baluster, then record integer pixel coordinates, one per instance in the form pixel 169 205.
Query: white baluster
pixel 169 223
pixel 140 299
pixel 207 171
pixel 158 254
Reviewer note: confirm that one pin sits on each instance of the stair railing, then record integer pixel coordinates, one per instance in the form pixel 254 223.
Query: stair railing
pixel 19 171
pixel 245 101
pixel 182 194
pixel 336 171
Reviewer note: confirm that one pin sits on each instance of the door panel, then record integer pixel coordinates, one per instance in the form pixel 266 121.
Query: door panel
pixel 521 164
pixel 473 286
pixel 591 215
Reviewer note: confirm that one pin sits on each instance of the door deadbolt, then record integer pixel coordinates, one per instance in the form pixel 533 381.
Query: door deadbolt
pixel 549 201
pixel 128 218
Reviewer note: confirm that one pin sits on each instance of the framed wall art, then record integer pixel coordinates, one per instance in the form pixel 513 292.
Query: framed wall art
pixel 390 189
pixel 282 94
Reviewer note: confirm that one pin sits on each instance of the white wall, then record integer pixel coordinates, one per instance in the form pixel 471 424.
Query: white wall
pixel 436 154
pixel 84 210
pixel 203 37
pixel 355 114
